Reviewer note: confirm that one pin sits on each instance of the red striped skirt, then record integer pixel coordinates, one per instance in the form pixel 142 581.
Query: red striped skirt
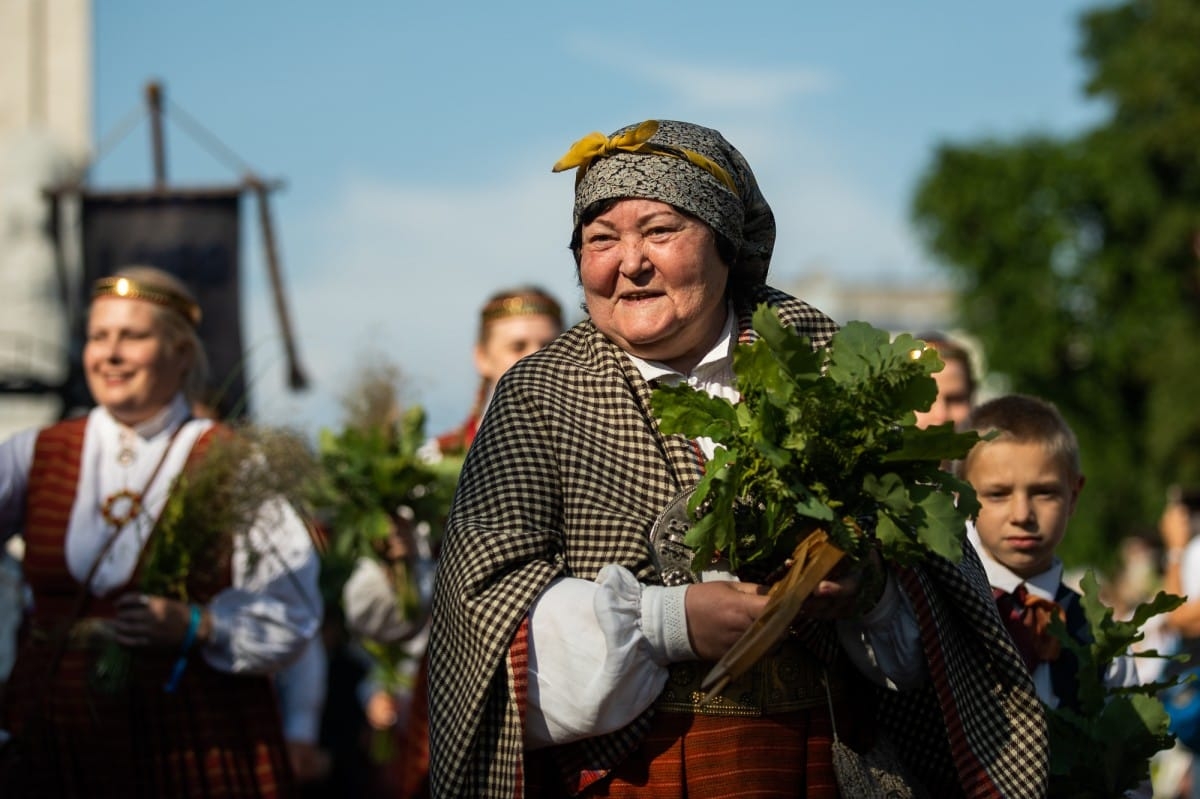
pixel 703 757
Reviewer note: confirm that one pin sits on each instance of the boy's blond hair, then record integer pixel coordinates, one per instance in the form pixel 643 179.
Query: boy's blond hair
pixel 1023 419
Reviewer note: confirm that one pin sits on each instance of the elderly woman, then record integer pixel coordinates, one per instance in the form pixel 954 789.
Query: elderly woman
pixel 195 716
pixel 560 662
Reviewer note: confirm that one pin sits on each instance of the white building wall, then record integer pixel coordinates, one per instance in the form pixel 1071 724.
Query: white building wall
pixel 45 139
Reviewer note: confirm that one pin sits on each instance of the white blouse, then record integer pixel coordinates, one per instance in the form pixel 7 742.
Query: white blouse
pixel 262 621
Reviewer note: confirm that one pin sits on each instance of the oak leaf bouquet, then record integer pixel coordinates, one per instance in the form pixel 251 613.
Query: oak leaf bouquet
pixel 820 461
pixel 374 479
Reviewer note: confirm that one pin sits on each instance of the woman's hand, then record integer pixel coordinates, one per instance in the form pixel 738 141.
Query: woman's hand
pixel 382 710
pixel 718 613
pixel 1175 526
pixel 154 621
pixel 847 592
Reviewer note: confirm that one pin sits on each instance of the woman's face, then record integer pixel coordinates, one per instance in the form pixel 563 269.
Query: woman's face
pixel 654 282
pixel 131 368
pixel 509 339
pixel 953 401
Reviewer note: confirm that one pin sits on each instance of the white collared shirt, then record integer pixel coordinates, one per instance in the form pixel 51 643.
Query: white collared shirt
pixel 1122 672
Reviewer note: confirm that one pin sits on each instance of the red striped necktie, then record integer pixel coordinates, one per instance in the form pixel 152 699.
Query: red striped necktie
pixel 1027 619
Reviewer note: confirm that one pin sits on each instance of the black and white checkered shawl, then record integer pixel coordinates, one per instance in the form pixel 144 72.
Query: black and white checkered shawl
pixel 567 475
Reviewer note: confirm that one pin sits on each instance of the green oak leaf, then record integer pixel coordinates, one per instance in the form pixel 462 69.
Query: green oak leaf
pixel 826 435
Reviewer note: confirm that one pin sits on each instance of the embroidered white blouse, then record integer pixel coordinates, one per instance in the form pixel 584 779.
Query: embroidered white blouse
pixel 262 621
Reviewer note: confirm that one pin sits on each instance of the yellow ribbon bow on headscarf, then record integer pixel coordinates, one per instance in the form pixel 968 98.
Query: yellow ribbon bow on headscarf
pixel 597 145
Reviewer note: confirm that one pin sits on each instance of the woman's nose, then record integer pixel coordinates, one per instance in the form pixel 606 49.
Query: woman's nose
pixel 110 349
pixel 633 258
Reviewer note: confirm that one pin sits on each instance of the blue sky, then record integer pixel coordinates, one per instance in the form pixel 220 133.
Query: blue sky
pixel 415 142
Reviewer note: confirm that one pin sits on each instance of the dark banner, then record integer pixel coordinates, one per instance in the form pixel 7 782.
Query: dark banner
pixel 193 235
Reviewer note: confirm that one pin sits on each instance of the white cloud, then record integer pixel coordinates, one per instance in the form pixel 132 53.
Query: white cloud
pixel 400 271
pixel 707 87
pixel 703 85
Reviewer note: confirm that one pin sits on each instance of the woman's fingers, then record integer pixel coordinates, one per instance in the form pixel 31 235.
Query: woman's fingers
pixel 718 613
pixel 834 598
pixel 142 620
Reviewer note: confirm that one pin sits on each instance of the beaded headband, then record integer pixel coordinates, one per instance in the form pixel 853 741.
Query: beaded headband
pixel 521 305
pixel 130 289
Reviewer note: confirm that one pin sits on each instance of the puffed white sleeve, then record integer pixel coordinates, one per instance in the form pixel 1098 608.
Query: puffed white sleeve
pixel 598 654
pixel 372 611
pixel 264 620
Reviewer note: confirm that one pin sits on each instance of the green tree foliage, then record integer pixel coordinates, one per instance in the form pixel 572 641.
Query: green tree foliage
pixel 1079 264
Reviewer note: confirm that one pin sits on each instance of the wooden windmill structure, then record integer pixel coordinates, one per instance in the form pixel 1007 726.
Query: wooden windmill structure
pixel 193 233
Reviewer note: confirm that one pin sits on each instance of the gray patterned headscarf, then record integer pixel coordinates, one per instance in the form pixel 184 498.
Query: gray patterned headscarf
pixel 684 165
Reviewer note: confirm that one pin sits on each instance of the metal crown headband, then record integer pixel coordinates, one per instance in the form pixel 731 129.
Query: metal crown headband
pixel 130 289
pixel 597 145
pixel 521 305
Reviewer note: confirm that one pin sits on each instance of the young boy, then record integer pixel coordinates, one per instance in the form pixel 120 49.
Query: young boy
pixel 1028 481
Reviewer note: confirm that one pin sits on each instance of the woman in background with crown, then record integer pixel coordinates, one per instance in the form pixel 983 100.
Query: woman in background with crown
pixel 194 715
pixel 513 323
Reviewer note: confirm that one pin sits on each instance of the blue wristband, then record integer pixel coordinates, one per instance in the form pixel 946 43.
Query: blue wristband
pixel 189 638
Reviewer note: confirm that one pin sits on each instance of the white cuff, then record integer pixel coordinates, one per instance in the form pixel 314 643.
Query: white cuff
pixel 664 623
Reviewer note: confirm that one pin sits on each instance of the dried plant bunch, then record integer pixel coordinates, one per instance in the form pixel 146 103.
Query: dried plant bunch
pixel 243 477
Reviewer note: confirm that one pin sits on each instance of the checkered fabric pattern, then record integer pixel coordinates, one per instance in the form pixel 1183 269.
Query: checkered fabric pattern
pixel 994 741
pixel 567 475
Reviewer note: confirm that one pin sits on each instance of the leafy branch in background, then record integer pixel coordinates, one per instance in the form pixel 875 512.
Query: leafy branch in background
pixel 381 500
pixel 1104 748
pixel 372 481
pixel 827 439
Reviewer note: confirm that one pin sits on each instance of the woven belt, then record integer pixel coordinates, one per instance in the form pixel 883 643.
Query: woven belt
pixel 788 678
